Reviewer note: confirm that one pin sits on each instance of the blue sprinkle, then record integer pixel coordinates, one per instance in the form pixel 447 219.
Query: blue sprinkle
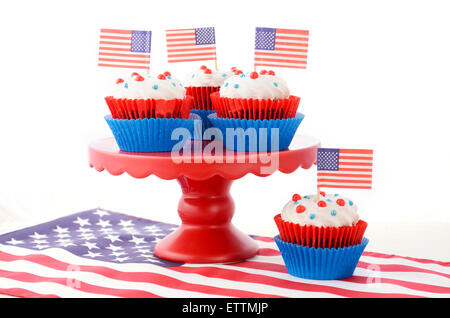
pixel 155 86
pixel 336 195
pixel 312 216
pixel 236 85
pixel 306 197
pixel 224 75
pixel 173 84
pixel 350 202
pixel 226 84
pixel 193 75
pixel 169 77
pixel 275 84
pixel 296 202
pixel 242 75
pixel 125 85
pixel 328 200
pixel 333 213
pixel 181 85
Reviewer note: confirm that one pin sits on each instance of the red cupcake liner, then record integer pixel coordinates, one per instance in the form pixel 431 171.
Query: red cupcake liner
pixel 201 96
pixel 320 237
pixel 122 108
pixel 249 108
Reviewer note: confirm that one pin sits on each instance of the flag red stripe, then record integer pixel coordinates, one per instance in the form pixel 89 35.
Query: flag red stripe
pixel 183 39
pixel 281 54
pixel 124 66
pixel 181 44
pixel 289 44
pixel 114 49
pixel 279 60
pixel 330 174
pixel 180 34
pixel 287 49
pixel 21 292
pixel 83 286
pixel 114 43
pixel 124 60
pixel 112 37
pixel 355 158
pixel 116 31
pixel 419 260
pixel 234 275
pixel 189 54
pixel 355 169
pixel 344 180
pixel 354 279
pixel 144 277
pixel 290 31
pixel 276 65
pixel 189 60
pixel 192 49
pixel 343 187
pixel 402 268
pixel 125 55
pixel 181 30
pixel 355 163
pixel 360 151
pixel 295 38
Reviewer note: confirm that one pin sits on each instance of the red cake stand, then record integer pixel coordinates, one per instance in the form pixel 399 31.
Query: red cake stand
pixel 206 208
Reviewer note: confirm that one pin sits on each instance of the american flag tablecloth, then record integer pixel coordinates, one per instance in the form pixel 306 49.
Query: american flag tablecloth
pixel 100 253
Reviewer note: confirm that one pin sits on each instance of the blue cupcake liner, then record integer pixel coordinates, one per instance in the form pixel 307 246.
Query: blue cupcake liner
pixel 286 130
pixel 203 113
pixel 148 134
pixel 320 263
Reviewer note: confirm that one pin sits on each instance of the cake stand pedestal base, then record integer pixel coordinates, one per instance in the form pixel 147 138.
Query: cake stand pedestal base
pixel 206 234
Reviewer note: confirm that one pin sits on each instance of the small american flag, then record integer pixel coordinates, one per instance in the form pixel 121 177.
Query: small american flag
pixel 184 45
pixel 281 47
pixel 344 168
pixel 125 48
pixel 100 253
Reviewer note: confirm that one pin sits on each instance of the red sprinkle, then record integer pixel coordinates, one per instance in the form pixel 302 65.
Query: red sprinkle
pixel 296 197
pixel 322 193
pixel 238 72
pixel 271 72
pixel 134 74
pixel 233 69
pixel 322 204
pixel 300 208
pixel 119 80
pixel 161 77
pixel 139 78
pixel 166 73
pixel 208 71
pixel 254 75
pixel 263 72
pixel 203 67
pixel 341 202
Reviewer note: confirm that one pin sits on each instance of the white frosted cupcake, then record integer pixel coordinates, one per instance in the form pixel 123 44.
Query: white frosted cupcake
pixel 332 221
pixel 255 96
pixel 201 83
pixel 147 96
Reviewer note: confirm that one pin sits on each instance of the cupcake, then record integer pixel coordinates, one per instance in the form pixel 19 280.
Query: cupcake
pixel 255 96
pixel 201 83
pixel 320 238
pixel 146 96
pixel 145 111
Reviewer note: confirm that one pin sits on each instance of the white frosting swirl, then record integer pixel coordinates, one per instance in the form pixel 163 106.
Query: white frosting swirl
pixel 199 78
pixel 150 87
pixel 331 215
pixel 262 87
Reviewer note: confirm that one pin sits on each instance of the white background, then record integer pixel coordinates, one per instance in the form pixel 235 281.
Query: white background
pixel 378 77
